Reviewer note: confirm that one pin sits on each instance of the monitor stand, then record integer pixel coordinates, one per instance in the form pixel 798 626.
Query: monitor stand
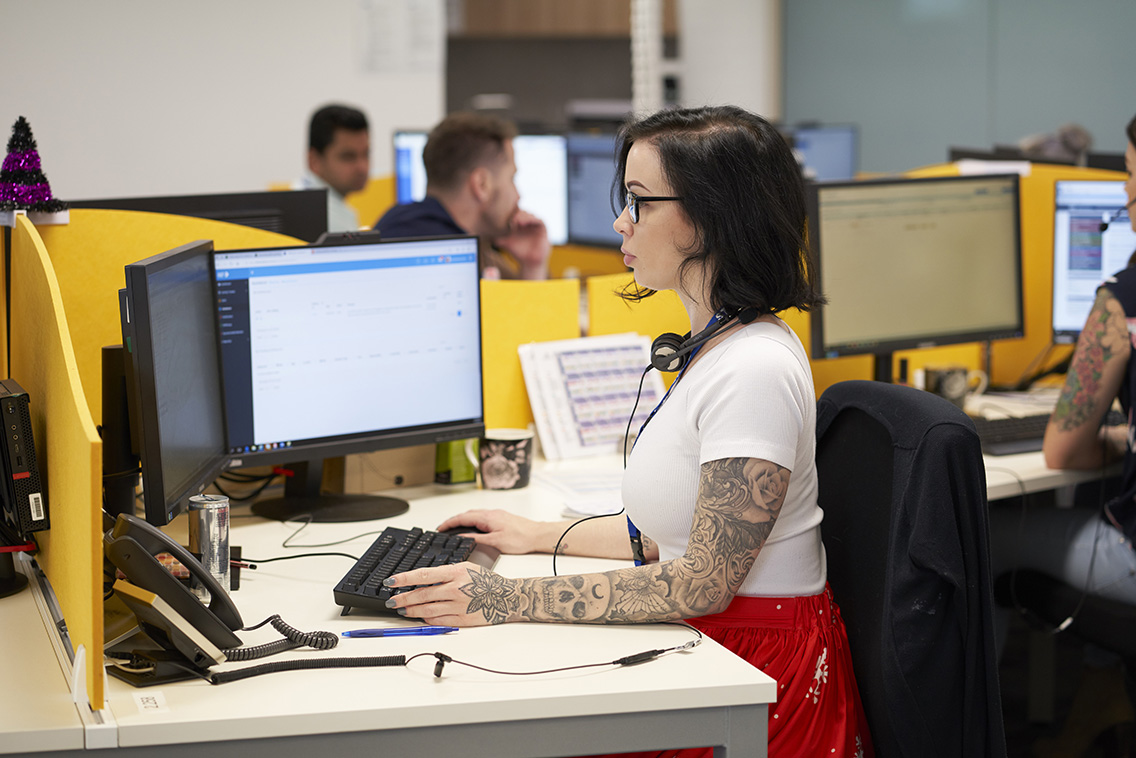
pixel 303 500
pixel 11 581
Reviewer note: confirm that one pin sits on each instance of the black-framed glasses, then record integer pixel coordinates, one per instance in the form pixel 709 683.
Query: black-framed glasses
pixel 632 200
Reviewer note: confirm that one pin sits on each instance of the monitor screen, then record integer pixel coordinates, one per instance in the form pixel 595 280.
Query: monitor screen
pixel 1084 254
pixel 300 213
pixel 409 173
pixel 173 376
pixel 829 152
pixel 908 263
pixel 542 182
pixel 341 349
pixel 591 170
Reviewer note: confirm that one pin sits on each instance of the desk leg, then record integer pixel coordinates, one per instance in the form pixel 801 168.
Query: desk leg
pixel 741 733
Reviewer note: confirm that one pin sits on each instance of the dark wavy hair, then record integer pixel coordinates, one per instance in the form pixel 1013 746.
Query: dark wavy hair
pixel 1131 130
pixel 742 190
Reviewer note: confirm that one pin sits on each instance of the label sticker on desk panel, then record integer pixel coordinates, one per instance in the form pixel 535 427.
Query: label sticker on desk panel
pixel 151 701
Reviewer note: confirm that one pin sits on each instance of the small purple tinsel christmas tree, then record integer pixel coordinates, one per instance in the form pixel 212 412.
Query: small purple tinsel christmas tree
pixel 23 185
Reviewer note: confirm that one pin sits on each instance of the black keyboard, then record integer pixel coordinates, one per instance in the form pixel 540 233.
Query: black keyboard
pixel 397 550
pixel 1011 434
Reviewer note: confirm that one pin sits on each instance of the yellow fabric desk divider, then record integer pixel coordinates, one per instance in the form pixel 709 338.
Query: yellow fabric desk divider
pixel 608 313
pixel 90 253
pixel 64 310
pixel 68 448
pixel 514 313
pixel 1011 358
pixel 373 200
pixel 584 261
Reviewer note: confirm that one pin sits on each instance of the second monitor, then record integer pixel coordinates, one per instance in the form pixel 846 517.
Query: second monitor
pixel 333 350
pixel 909 263
pixel 1092 239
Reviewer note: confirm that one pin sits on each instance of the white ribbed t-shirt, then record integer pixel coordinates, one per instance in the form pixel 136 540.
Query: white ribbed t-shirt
pixel 750 396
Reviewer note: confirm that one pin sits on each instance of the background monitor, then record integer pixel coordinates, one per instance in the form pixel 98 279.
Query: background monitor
pixel 298 213
pixel 830 152
pixel 542 182
pixel 1084 254
pixel 909 263
pixel 1109 161
pixel 173 376
pixel 344 349
pixel 591 170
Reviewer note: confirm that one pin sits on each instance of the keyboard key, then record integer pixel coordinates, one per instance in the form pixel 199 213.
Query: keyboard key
pixel 398 550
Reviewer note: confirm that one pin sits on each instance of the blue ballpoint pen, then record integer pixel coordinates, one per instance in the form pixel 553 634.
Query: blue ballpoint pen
pixel 401 631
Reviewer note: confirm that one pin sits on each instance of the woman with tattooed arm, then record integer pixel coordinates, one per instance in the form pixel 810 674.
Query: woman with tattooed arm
pixel 722 480
pixel 1089 548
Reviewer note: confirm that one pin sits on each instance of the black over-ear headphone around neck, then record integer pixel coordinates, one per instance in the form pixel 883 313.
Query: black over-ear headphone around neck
pixel 670 352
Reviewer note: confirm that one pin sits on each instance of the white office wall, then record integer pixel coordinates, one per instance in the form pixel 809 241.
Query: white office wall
pixel 921 75
pixel 730 53
pixel 149 97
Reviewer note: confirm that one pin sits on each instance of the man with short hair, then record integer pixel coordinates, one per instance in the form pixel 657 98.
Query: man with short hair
pixel 470 189
pixel 339 158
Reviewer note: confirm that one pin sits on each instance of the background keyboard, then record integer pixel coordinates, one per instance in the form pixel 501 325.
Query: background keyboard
pixel 397 550
pixel 1011 434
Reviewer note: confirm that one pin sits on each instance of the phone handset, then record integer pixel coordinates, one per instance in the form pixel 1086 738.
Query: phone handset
pixel 132 544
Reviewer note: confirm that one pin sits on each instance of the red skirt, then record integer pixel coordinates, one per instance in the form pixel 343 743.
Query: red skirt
pixel 800 642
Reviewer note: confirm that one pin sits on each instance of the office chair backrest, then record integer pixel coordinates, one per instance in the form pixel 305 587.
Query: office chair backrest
pixel 903 490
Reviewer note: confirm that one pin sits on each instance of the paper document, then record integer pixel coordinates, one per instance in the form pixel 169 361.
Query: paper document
pixel 583 390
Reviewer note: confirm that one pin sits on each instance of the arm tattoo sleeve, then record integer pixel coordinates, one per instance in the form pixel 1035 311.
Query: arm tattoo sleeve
pixel 1105 331
pixel 739 501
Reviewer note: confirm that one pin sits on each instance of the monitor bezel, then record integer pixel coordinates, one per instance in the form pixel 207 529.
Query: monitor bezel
pixel 376 439
pixel 303 211
pixel 142 394
pixel 820 350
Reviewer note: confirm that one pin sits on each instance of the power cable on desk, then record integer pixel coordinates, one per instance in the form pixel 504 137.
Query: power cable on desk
pixel 441 659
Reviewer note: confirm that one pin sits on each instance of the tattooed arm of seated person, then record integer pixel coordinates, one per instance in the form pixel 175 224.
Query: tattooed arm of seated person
pixel 1073 437
pixel 739 500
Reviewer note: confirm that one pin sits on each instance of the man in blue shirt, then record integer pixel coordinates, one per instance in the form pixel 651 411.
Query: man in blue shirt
pixel 470 189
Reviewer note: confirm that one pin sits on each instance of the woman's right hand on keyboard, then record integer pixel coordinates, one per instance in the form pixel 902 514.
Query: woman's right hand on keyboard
pixel 508 532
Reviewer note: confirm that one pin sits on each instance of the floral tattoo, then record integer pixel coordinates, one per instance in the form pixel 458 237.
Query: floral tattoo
pixel 1103 336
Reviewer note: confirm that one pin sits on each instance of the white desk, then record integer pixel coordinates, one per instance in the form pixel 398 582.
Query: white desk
pixel 1026 473
pixel 702 697
pixel 47 719
pixel 706 696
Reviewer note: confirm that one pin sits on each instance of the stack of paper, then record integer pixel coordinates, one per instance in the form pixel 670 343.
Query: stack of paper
pixel 583 392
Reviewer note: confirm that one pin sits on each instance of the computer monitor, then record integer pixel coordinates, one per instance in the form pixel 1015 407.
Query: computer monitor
pixel 344 349
pixel 1108 161
pixel 830 152
pixel 299 213
pixel 910 263
pixel 1084 253
pixel 542 167
pixel 173 376
pixel 591 170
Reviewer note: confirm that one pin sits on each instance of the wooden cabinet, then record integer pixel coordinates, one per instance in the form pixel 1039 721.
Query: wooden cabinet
pixel 549 18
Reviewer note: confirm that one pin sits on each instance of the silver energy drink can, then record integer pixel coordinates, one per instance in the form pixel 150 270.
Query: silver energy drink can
pixel 209 538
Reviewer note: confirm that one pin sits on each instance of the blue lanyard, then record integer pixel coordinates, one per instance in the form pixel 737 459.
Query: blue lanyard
pixel 632 530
